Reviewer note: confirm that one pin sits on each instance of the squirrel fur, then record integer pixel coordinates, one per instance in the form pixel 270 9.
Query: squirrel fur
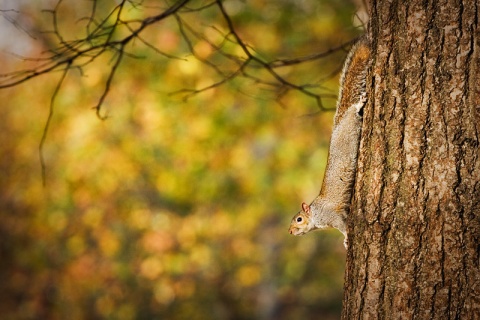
pixel 330 207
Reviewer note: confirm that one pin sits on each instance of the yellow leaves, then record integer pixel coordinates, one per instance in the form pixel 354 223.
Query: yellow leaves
pixel 139 218
pixel 223 225
pixel 162 220
pixel 248 275
pixel 93 78
pixel 201 256
pixel 109 243
pixel 203 49
pixel 166 201
pixel 163 292
pixel 151 267
pixel 57 220
pixel 167 40
pixel 243 248
pixel 201 128
pixel 241 157
pixel 325 24
pixel 188 67
pixel 157 242
pixel 184 288
pixel 105 305
pixel 264 38
pixel 126 311
pixel 187 235
pixel 92 217
pixel 76 244
pixel 234 7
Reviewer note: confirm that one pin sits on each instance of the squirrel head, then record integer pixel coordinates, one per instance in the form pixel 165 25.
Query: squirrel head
pixel 302 222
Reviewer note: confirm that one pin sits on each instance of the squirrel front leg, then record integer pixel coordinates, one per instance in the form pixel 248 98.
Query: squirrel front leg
pixel 329 208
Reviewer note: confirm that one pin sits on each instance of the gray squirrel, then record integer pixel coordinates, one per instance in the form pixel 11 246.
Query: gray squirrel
pixel 330 207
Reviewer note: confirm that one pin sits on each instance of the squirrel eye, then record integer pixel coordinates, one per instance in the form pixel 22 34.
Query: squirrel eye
pixel 299 219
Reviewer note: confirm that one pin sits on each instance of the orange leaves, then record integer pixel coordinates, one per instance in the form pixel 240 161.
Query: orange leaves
pixel 157 242
pixel 151 267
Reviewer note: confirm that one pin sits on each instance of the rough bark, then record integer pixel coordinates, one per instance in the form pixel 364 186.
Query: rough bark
pixel 414 226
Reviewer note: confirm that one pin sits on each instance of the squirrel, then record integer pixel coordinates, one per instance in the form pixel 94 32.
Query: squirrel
pixel 329 209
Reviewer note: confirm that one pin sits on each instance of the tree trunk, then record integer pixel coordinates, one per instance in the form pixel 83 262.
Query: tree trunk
pixel 414 226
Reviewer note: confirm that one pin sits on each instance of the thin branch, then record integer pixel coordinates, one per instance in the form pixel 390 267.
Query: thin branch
pixel 100 38
pixel 225 79
pixel 148 21
pixel 48 122
pixel 119 9
pixel 181 27
pixel 282 85
pixel 226 38
pixel 232 29
pixel 100 26
pixel 17 25
pixel 206 6
pixel 71 53
pixel 149 45
pixel 267 67
pixel 288 62
pixel 108 84
pixel 91 19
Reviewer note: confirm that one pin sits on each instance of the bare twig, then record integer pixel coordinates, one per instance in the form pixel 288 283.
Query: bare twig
pixel 106 34
pixel 99 39
pixel 266 65
pixel 108 83
pixel 149 45
pixel 288 62
pixel 225 79
pixel 68 53
pixel 17 25
pixel 182 25
pixel 48 122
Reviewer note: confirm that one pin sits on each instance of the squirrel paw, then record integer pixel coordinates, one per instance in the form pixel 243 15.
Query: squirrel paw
pixel 345 242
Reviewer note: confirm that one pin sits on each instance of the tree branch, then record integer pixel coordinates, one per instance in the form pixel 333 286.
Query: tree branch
pixel 108 83
pixel 48 122
pixel 100 39
pixel 112 33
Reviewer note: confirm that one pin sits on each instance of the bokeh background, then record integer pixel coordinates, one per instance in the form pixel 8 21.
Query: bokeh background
pixel 171 208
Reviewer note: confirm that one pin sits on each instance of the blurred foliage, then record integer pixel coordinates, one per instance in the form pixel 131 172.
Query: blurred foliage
pixel 172 209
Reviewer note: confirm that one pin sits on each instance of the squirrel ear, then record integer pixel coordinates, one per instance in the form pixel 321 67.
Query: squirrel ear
pixel 305 207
